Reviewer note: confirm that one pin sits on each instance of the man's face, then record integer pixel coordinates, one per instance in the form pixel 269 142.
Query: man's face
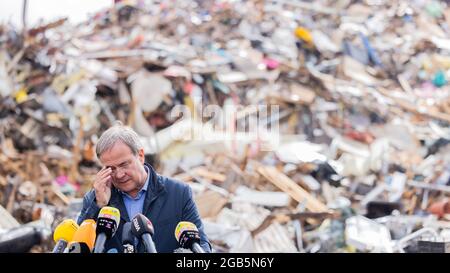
pixel 128 173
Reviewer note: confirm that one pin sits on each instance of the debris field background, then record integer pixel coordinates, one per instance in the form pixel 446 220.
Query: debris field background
pixel 361 159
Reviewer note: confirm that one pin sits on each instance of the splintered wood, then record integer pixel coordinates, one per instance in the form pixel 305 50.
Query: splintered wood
pixel 290 187
pixel 297 94
pixel 301 94
pixel 7 221
pixel 65 200
pixel 210 203
pixel 205 173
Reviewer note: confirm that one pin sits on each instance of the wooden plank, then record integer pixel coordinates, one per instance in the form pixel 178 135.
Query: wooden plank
pixel 210 204
pixel 43 28
pixel 74 175
pixel 7 221
pixel 413 108
pixel 290 187
pixel 205 173
pixel 302 94
pixel 185 177
pixel 298 94
pixel 12 198
pixel 8 149
pixel 60 195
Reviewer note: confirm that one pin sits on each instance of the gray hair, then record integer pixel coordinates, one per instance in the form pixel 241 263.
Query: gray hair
pixel 118 132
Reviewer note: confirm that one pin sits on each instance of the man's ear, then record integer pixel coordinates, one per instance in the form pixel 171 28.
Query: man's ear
pixel 141 155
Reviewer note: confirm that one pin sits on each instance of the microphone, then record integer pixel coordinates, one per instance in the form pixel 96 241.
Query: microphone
pixel 64 234
pixel 84 238
pixel 188 236
pixel 112 250
pixel 79 247
pixel 107 223
pixel 127 238
pixel 142 228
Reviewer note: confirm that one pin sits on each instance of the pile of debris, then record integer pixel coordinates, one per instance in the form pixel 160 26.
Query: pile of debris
pixel 350 153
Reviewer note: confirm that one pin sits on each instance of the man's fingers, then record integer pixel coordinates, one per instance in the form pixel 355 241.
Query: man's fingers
pixel 104 171
pixel 105 174
pixel 102 181
pixel 102 186
pixel 108 182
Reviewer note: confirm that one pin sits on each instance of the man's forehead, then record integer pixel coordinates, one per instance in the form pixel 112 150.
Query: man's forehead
pixel 117 154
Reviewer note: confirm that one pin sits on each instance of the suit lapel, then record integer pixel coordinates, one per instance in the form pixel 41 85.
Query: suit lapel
pixel 155 189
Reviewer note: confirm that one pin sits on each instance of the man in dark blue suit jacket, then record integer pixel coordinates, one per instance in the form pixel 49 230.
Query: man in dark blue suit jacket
pixel 129 184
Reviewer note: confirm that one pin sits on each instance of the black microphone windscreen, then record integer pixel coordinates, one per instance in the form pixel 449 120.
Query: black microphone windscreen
pixel 127 235
pixel 106 226
pixel 188 238
pixel 141 225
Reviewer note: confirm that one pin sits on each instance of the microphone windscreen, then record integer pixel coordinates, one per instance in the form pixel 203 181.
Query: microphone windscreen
pixel 141 225
pixel 110 213
pixel 86 233
pixel 182 227
pixel 127 235
pixel 65 230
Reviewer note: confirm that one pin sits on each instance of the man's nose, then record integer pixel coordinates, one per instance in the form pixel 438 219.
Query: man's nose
pixel 119 173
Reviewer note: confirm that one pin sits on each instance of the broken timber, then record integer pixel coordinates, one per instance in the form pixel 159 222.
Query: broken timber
pixel 290 187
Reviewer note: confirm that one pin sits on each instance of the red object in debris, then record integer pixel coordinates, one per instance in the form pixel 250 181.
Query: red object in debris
pixel 360 136
pixel 440 208
pixel 271 63
pixel 188 87
pixel 137 41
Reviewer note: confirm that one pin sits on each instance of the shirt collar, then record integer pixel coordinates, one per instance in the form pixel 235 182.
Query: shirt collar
pixel 144 188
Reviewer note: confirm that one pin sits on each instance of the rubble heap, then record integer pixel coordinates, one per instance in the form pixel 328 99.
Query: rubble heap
pixel 357 91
